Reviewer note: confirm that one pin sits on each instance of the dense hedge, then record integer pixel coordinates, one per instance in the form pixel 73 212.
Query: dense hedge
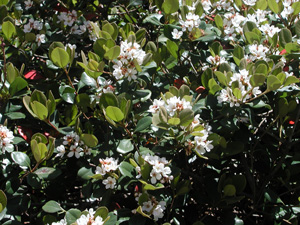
pixel 149 112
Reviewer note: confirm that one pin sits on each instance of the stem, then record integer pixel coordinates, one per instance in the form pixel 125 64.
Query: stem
pixel 70 81
pixel 4 64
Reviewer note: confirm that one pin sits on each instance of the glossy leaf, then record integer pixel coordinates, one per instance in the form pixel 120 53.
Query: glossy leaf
pixel 125 146
pixel 60 57
pixel 52 207
pixel 21 159
pixel 114 113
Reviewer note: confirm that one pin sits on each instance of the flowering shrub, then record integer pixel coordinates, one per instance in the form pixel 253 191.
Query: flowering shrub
pixel 149 112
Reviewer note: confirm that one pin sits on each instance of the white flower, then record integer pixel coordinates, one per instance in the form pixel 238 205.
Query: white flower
pixel 6 138
pixel 61 222
pixel 250 2
pixel 176 34
pixel 40 38
pixel 74 151
pixel 109 183
pixel 156 105
pixel 155 176
pixel 37 25
pixel 158 212
pixel 28 4
pixel 269 30
pixel 147 206
pixel 89 220
pixel 61 151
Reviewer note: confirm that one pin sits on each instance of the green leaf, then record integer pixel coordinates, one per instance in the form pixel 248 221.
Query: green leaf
pixel 47 172
pixel 102 212
pixel 261 68
pixel 3 12
pixel 229 190
pixel 108 99
pixel 26 102
pixel 112 53
pixel 8 29
pixel 213 86
pixel 172 48
pixel 52 207
pixel 296 7
pixel 60 57
pixel 291 80
pixel 221 77
pixel 249 26
pixel 125 146
pixel 108 28
pixel 257 80
pixel 273 6
pixel 219 22
pixel 85 173
pixel 39 109
pixel 283 107
pixel 114 113
pixel 184 90
pixel 234 148
pixel 186 116
pixel 238 52
pixel 237 93
pixel 285 36
pixel 153 19
pixel 273 83
pixel 143 124
pixel 89 140
pixel 15 115
pixel 3 200
pixel 174 90
pixel 163 114
pixel 170 6
pixel 297 28
pixel 261 4
pixel 21 159
pixel 72 215
pixel 67 93
pixel 17 85
pixel 251 37
pixel 174 121
pixel 127 169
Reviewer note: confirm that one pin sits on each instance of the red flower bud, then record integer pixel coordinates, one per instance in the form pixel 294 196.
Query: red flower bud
pixel 282 52
pixel 200 89
pixel 291 122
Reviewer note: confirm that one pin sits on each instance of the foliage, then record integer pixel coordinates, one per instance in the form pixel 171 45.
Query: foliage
pixel 149 112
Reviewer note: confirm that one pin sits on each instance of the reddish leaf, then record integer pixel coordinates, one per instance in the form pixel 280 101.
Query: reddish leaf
pixel 178 83
pixel 33 75
pixel 25 133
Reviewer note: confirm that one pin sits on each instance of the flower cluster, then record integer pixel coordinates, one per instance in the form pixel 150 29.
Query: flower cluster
pixel 73 146
pixel 33 24
pixel 104 86
pixel 90 219
pixel 107 167
pixel 190 22
pixel 68 18
pixel 201 143
pixel 86 218
pixel 125 66
pixel 241 81
pixel 155 208
pixel 6 138
pixel 151 206
pixel 173 105
pixel 160 172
